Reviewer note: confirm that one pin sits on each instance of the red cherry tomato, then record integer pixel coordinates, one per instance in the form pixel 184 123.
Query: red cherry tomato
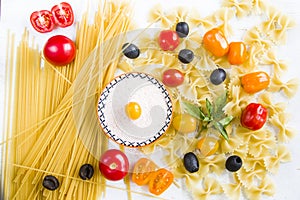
pixel 168 40
pixel 172 77
pixel 42 21
pixel 63 14
pixel 254 116
pixel 59 50
pixel 114 165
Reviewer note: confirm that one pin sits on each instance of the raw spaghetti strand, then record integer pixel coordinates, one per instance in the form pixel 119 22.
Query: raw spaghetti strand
pixel 56 138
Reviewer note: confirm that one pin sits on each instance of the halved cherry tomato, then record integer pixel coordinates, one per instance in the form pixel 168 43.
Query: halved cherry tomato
pixel 208 146
pixel 143 171
pixel 63 14
pixel 237 53
pixel 254 116
pixel 42 21
pixel 168 40
pixel 114 165
pixel 59 50
pixel 255 82
pixel 160 181
pixel 215 42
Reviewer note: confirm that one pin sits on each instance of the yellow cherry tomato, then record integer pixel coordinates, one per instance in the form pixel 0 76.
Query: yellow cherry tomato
pixel 208 145
pixel 133 110
pixel 185 123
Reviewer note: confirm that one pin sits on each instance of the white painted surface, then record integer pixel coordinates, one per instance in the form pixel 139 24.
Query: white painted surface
pixel 15 15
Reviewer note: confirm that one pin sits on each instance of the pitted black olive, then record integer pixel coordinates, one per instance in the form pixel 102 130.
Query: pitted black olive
pixel 50 182
pixel 86 171
pixel 233 163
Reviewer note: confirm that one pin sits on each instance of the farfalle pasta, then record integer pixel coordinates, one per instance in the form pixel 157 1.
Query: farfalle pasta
pixel 279 66
pixel 266 187
pixel 267 99
pixel 277 25
pixel 242 8
pixel 210 187
pixel 238 101
pixel 282 155
pixel 233 190
pixel 284 134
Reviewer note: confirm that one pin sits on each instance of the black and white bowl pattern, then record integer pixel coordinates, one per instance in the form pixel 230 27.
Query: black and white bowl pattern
pixel 154 100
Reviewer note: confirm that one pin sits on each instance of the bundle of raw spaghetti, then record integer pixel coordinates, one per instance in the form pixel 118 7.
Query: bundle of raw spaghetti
pixel 42 137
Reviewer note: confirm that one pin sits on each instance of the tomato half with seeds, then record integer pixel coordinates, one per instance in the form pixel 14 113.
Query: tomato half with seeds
pixel 215 42
pixel 143 171
pixel 63 14
pixel 42 21
pixel 208 145
pixel 254 116
pixel 160 181
pixel 114 165
pixel 59 50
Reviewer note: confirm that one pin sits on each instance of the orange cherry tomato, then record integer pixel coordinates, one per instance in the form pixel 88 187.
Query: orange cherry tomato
pixel 208 146
pixel 237 53
pixel 133 110
pixel 215 42
pixel 160 181
pixel 143 171
pixel 255 82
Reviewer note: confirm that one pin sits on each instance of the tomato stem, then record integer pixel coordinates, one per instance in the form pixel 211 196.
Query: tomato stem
pixel 113 166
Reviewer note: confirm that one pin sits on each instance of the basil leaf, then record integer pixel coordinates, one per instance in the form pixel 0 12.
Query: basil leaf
pixel 209 108
pixel 193 110
pixel 221 129
pixel 225 121
pixel 220 103
pixel 207 119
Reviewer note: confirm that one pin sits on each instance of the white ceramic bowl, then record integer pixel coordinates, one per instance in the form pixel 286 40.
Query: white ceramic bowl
pixel 155 104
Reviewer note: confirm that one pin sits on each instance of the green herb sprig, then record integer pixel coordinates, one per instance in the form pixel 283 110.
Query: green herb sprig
pixel 214 115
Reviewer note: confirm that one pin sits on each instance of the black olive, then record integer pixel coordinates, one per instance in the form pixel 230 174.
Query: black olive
pixel 86 171
pixel 50 182
pixel 191 162
pixel 218 76
pixel 186 56
pixel 130 50
pixel 182 29
pixel 233 163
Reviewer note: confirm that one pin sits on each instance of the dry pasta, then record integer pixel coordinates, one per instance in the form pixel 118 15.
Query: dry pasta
pixel 65 133
pixel 56 136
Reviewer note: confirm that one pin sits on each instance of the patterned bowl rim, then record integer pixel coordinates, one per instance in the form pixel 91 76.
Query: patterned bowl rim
pixel 101 104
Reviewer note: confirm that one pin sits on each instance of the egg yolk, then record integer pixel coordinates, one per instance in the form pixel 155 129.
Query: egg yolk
pixel 133 110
